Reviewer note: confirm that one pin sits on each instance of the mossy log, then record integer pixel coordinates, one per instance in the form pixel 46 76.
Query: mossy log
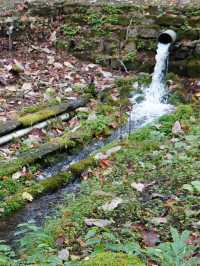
pixel 41 115
pixel 6 127
pixel 79 167
pixel 81 136
pixel 16 202
pixel 7 168
pixel 50 184
pixel 31 119
pixel 22 132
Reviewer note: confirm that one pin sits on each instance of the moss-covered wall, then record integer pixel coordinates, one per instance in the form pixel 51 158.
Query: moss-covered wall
pixel 119 36
pixel 126 36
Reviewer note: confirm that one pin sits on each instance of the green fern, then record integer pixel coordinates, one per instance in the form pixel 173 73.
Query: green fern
pixel 176 253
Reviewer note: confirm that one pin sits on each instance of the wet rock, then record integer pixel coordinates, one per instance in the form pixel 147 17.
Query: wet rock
pixel 148 21
pixel 115 63
pixel 183 53
pixel 109 46
pixel 108 153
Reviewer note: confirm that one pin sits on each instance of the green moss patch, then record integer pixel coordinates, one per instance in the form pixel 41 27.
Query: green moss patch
pixel 112 259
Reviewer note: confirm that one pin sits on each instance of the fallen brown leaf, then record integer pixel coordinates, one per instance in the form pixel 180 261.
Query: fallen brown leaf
pixel 104 163
pixel 150 238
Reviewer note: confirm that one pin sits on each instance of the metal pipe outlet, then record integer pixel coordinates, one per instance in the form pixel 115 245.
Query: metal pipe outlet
pixel 168 36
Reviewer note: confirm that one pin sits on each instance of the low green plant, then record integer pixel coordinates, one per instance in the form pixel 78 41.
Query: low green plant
pixel 104 240
pixel 35 238
pixel 61 44
pixel 7 255
pixel 95 19
pixel 176 253
pixel 193 187
pixel 98 125
pixel 186 26
pixel 131 56
pixel 112 9
pixel 140 44
pixel 144 79
pixel 176 98
pixel 70 31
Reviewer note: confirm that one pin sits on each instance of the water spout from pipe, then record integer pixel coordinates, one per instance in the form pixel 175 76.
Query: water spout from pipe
pixel 154 103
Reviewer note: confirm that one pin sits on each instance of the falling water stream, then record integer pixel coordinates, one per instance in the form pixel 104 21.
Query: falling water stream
pixel 153 106
pixel 155 102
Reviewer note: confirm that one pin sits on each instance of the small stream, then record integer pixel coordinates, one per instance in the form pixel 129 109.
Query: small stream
pixel 152 107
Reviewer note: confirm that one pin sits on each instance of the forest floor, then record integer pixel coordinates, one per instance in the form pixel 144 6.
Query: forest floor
pixel 131 201
pixel 139 197
pixel 4 4
pixel 128 201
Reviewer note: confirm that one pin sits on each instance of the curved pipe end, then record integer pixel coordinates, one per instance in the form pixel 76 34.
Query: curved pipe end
pixel 168 36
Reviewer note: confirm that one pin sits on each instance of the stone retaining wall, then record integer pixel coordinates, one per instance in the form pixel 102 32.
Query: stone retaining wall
pixel 119 36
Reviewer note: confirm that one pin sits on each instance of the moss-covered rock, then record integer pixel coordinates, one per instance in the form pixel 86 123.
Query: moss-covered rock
pixel 113 259
pixel 193 68
pixel 189 68
pixel 171 20
pixel 79 167
pixel 191 34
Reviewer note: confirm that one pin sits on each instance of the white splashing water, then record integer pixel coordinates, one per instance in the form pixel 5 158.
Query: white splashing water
pixel 153 105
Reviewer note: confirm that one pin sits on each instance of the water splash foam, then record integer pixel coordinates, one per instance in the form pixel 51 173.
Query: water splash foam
pixel 154 105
